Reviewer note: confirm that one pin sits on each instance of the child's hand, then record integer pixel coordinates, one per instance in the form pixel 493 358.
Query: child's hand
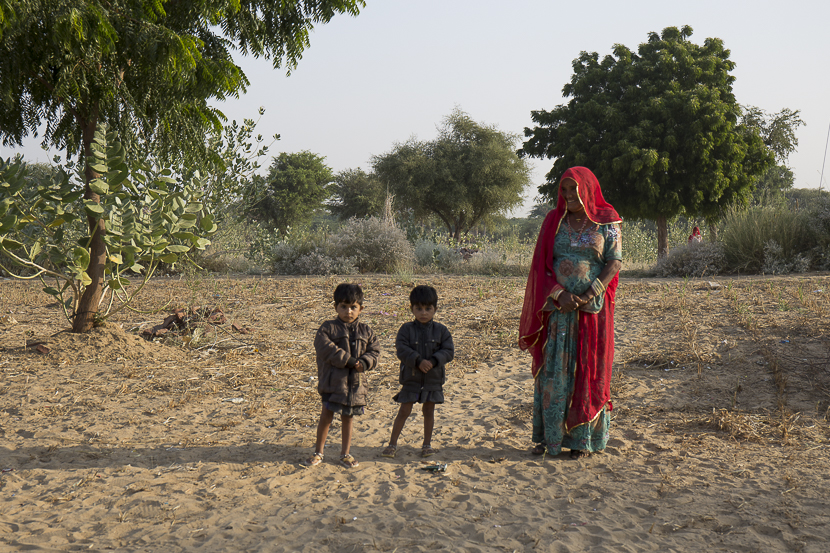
pixel 425 366
pixel 358 367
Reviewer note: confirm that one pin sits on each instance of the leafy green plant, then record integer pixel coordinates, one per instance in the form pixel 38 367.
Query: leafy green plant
pixel 144 222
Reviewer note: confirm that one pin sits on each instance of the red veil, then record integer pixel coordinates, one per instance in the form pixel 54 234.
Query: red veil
pixel 592 389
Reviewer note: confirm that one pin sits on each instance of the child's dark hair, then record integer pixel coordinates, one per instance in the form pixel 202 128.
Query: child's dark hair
pixel 348 293
pixel 424 295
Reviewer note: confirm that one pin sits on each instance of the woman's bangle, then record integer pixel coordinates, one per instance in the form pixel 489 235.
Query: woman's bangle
pixel 556 293
pixel 597 287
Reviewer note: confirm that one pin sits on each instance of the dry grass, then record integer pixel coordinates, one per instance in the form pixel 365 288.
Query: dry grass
pixel 747 359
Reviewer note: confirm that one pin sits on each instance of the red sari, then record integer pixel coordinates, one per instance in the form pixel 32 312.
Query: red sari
pixel 595 347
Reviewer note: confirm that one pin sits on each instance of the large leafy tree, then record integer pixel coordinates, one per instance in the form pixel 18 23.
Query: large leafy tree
pixel 469 172
pixel 147 68
pixel 356 193
pixel 296 186
pixel 659 127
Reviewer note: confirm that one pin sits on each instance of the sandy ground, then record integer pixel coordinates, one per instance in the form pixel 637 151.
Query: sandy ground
pixel 719 441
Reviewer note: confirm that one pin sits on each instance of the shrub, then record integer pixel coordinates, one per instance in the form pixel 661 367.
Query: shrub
pixel 437 256
pixel 777 263
pixel 230 247
pixel 373 245
pixel 819 215
pixel 692 259
pixel 319 263
pixel 762 238
pixel 300 251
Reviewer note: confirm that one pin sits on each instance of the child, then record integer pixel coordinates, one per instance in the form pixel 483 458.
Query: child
pixel 345 349
pixel 424 348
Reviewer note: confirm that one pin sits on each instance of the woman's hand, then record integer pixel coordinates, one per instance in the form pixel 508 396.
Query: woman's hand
pixel 570 302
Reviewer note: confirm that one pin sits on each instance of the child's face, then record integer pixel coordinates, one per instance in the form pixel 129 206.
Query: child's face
pixel 423 313
pixel 348 312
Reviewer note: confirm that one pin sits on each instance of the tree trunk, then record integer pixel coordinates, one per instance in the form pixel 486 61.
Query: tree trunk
pixel 91 298
pixel 662 238
pixel 713 231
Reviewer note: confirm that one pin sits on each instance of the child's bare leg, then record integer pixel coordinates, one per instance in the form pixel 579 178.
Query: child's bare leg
pixel 323 429
pixel 429 422
pixel 347 423
pixel 400 420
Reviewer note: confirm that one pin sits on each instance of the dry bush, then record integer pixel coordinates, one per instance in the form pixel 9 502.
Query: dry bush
pixel 373 245
pixel 692 259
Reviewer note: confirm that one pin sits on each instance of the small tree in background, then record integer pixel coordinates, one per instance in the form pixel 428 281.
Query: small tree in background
pixel 356 193
pixel 296 186
pixel 778 133
pixel 469 172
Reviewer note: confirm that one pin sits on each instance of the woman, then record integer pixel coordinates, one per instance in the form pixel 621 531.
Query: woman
pixel 568 318
pixel 695 236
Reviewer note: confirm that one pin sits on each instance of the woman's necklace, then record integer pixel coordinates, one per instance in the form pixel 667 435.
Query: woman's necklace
pixel 575 240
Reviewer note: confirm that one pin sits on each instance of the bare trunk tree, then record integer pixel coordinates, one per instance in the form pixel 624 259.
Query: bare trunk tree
pixel 713 231
pixel 662 237
pixel 91 298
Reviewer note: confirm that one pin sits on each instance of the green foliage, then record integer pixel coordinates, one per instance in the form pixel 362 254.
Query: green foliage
pixel 226 175
pixel 801 198
pixel 145 222
pixel 771 239
pixel 230 248
pixel 658 127
pixel 357 194
pixel 468 173
pixel 296 186
pixel 777 130
pixel 772 185
pixel 146 67
pixel 639 240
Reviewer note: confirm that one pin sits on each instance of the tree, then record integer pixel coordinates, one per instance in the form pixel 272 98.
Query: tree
pixel 356 193
pixel 297 185
pixel 660 129
pixel 145 223
pixel 778 133
pixel 470 171
pixel 146 67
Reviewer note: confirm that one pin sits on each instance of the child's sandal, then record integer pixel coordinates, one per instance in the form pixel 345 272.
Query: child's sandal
pixel 390 451
pixel 314 460
pixel 348 461
pixel 428 451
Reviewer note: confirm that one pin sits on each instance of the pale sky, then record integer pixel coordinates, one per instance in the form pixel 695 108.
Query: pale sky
pixel 396 70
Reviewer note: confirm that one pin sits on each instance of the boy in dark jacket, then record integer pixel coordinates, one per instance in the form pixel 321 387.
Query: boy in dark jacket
pixel 346 348
pixel 424 348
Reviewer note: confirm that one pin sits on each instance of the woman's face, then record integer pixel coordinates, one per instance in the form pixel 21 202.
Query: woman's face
pixel 568 191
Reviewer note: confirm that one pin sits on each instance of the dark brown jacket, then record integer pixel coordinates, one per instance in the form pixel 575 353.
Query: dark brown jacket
pixel 336 361
pixel 416 342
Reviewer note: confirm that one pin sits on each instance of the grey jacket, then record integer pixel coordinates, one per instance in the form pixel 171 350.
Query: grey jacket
pixel 336 361
pixel 416 342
